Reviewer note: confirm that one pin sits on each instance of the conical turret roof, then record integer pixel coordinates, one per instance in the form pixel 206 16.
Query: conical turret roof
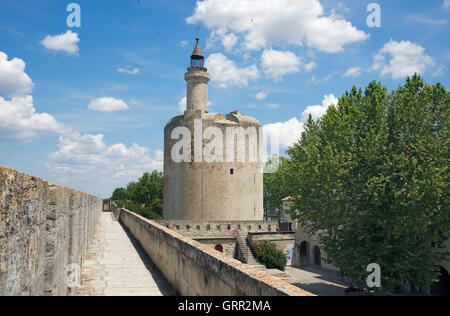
pixel 197 53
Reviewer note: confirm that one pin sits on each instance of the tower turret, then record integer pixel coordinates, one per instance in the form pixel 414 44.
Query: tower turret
pixel 212 163
pixel 197 79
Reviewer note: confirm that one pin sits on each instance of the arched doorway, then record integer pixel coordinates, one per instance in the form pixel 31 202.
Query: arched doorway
pixel 304 253
pixel 219 248
pixel 441 288
pixel 317 256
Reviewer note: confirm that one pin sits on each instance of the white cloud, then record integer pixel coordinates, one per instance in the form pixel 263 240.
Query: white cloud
pixel 67 42
pixel 228 40
pixel 353 72
pixel 290 132
pixel 134 71
pixel 260 24
pixel 417 18
pixel 108 104
pixel 18 117
pixel 260 96
pixel 276 64
pixel 86 158
pixel 310 66
pixel 13 79
pixel 182 105
pixel 184 43
pixel 19 120
pixel 317 111
pixel 226 73
pixel 326 79
pixel 446 4
pixel 273 105
pixel 406 58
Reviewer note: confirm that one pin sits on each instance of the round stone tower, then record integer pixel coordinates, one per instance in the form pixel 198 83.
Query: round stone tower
pixel 212 163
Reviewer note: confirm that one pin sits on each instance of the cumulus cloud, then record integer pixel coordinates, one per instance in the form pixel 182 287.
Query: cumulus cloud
pixel 310 66
pixel 317 111
pixel 226 73
pixel 260 96
pixel 108 104
pixel 276 64
pixel 406 58
pixel 67 42
pixel 289 132
pixel 182 105
pixel 259 24
pixel 446 4
pixel 18 117
pixel 13 79
pixel 228 40
pixel 89 159
pixel 19 120
pixel 353 72
pixel 134 71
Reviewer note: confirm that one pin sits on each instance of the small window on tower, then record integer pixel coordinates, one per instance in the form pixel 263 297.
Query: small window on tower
pixel 231 171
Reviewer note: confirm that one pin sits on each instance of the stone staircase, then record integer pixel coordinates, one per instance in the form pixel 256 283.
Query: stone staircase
pixel 245 252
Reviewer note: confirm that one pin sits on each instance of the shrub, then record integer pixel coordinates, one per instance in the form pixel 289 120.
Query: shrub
pixel 268 255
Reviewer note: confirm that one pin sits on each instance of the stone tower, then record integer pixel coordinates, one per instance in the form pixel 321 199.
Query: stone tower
pixel 219 177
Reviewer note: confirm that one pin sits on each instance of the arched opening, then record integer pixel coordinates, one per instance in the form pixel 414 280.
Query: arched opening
pixel 219 248
pixel 317 256
pixel 441 288
pixel 304 253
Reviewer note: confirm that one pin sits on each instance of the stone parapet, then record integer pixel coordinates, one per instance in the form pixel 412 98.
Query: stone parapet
pixel 194 269
pixel 44 233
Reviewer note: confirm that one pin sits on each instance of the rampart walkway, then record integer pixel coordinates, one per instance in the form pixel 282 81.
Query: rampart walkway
pixel 117 266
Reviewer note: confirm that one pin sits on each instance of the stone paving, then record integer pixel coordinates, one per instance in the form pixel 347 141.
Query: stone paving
pixel 317 280
pixel 117 266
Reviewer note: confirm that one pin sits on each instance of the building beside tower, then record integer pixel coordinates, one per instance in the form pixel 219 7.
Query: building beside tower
pixel 221 177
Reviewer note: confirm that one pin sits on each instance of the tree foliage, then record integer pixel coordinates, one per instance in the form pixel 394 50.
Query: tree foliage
pixel 275 188
pixel 144 197
pixel 372 176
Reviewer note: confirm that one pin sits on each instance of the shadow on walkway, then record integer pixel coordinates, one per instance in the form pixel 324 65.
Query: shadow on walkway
pixel 317 280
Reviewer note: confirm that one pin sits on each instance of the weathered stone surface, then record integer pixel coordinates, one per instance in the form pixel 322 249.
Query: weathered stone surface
pixel 35 232
pixel 116 265
pixel 194 269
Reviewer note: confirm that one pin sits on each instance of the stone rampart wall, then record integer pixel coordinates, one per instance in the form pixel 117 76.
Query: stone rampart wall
pixel 44 234
pixel 194 269
pixel 212 229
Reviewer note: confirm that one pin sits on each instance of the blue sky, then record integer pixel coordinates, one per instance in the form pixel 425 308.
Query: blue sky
pixel 86 107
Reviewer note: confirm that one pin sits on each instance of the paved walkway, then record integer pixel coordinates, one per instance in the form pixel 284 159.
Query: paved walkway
pixel 117 266
pixel 317 280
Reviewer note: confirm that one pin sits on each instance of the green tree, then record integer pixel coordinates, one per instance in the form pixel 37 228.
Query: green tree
pixel 275 188
pixel 120 194
pixel 372 176
pixel 144 197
